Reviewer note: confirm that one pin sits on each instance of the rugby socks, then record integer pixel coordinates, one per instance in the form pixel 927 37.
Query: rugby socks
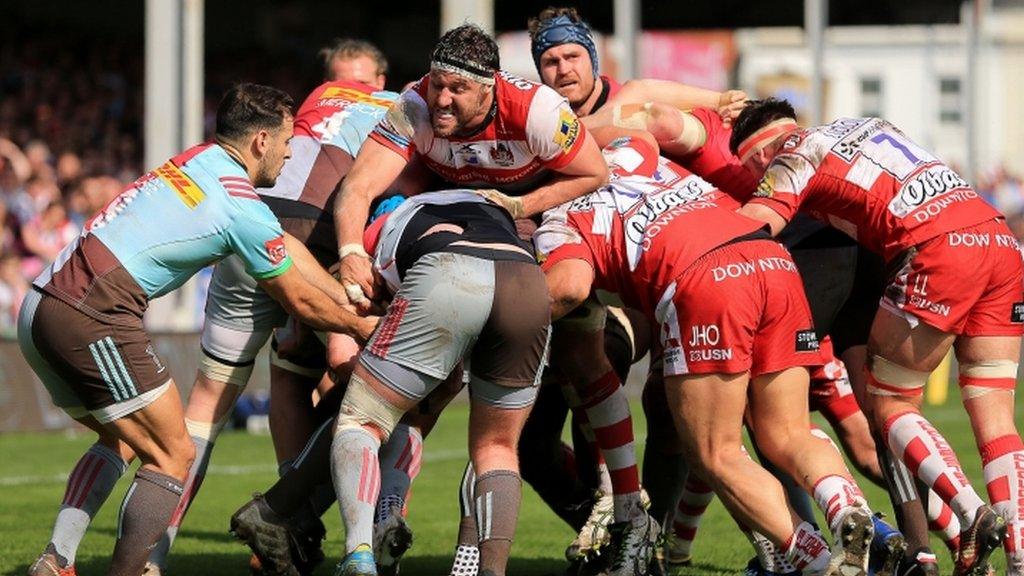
pixel 836 495
pixel 942 521
pixel 356 482
pixel 607 410
pixel 903 491
pixel 693 502
pixel 203 438
pixel 497 494
pixel 467 552
pixel 400 459
pixel 806 550
pixel 929 457
pixel 1003 461
pixel 89 485
pixel 145 514
pixel 311 468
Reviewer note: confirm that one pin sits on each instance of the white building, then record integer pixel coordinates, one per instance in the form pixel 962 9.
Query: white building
pixel 915 76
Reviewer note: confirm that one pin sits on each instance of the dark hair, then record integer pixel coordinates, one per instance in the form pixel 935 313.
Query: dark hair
pixel 246 108
pixel 756 115
pixel 349 49
pixel 468 45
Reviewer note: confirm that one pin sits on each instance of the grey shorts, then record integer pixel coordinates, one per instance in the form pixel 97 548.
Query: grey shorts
pixel 235 301
pixel 88 366
pixel 450 307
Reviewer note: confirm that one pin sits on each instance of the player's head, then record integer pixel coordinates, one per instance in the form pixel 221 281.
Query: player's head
pixel 355 61
pixel 564 52
pixel 757 131
pixel 256 121
pixel 460 86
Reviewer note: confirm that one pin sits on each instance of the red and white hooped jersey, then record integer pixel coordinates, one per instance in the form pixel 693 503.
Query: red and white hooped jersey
pixel 637 232
pixel 532 130
pixel 866 178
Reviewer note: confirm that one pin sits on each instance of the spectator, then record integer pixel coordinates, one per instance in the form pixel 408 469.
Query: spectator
pixel 13 287
pixel 44 236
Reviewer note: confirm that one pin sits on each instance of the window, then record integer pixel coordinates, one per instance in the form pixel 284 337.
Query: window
pixel 871 96
pixel 950 101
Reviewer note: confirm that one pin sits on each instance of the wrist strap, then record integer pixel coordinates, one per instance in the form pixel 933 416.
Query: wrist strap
pixel 350 249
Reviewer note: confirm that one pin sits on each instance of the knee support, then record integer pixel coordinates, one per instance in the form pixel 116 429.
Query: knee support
pixel 364 407
pixel 890 379
pixel 218 370
pixel 980 378
pixel 207 431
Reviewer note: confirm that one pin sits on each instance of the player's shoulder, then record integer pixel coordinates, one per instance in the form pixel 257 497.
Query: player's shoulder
pixel 518 96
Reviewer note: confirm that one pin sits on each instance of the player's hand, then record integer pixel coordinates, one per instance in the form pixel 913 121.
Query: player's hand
pixel 512 204
pixel 730 104
pixel 365 327
pixel 355 271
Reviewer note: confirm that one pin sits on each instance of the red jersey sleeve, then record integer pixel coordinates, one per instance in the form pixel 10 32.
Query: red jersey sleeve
pixel 559 238
pixel 785 185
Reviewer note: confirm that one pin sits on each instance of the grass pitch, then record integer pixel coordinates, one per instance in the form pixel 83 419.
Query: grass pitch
pixel 35 466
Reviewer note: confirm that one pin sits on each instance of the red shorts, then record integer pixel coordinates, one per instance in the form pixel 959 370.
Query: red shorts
pixel 738 308
pixel 831 393
pixel 969 282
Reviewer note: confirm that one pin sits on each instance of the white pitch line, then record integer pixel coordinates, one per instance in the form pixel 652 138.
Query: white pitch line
pixel 220 470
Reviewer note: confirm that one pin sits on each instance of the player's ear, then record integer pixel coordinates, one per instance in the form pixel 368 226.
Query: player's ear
pixel 260 143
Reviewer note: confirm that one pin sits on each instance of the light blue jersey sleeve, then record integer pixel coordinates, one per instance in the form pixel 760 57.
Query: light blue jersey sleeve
pixel 256 236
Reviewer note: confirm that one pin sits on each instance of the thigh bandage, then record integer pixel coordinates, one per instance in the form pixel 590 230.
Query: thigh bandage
pixel 222 371
pixel 980 378
pixel 362 406
pixel 889 379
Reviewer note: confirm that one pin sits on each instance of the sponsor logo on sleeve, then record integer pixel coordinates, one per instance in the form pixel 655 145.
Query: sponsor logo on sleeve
pixel 276 250
pixel 766 188
pixel 1017 315
pixel 568 130
pixel 183 186
pixel 806 341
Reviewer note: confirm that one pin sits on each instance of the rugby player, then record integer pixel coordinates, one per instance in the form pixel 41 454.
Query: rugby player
pixel 81 328
pixel 477 126
pixel 668 249
pixel 955 281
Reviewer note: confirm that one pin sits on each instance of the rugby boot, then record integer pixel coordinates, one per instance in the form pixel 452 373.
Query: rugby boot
pixel 977 542
pixel 266 533
pixel 594 534
pixel 851 546
pixel 48 565
pixel 887 548
pixel 920 563
pixel 633 543
pixel 391 538
pixel 358 562
pixel 675 558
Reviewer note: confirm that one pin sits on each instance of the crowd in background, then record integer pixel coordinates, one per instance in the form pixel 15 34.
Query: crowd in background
pixel 71 139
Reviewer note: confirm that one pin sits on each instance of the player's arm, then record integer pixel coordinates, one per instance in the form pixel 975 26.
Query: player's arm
pixel 313 272
pixel 676 132
pixel 569 282
pixel 786 184
pixel 681 96
pixel 585 173
pixel 765 214
pixel 313 307
pixel 375 168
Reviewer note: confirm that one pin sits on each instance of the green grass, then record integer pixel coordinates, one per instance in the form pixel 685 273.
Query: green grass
pixel 34 465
